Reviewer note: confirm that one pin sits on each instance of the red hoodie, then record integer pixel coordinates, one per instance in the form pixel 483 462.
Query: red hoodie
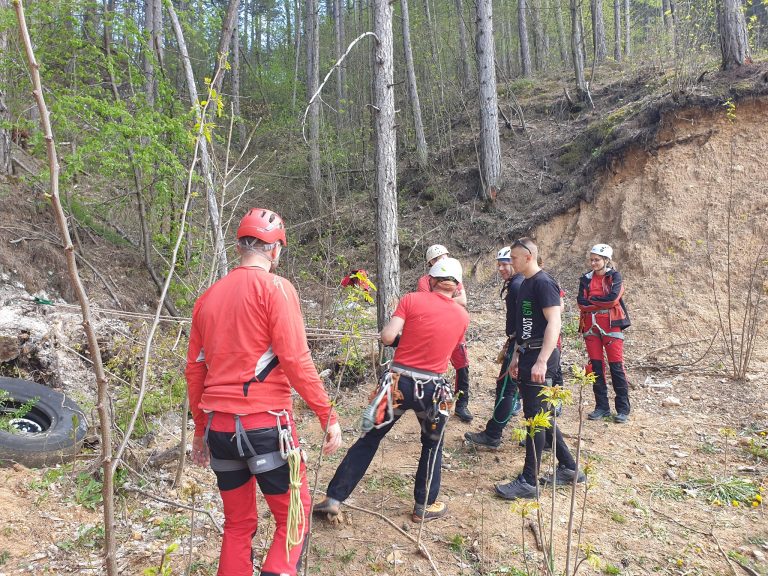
pixel 247 348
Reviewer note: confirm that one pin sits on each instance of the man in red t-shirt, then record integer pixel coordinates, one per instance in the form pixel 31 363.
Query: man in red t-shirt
pixel 459 357
pixel 247 349
pixel 429 326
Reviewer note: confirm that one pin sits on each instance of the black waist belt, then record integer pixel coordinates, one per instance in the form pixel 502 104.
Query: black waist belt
pixel 534 344
pixel 413 372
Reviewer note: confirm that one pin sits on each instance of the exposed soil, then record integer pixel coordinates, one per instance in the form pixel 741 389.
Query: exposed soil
pixel 662 201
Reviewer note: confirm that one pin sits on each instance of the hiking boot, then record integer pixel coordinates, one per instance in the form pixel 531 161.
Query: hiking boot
pixel 598 414
pixel 432 512
pixel 462 411
pixel 564 476
pixel 516 489
pixel 621 418
pixel 328 506
pixel 482 439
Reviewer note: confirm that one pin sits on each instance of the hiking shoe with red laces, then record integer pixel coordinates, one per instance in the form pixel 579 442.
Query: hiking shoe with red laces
pixel 431 512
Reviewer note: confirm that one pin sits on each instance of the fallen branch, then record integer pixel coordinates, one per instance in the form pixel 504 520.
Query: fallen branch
pixel 422 548
pixel 727 558
pixel 177 505
pixel 536 536
pixel 699 138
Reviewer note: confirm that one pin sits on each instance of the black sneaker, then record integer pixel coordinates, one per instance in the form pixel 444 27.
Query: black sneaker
pixel 482 439
pixel 621 418
pixel 598 414
pixel 516 489
pixel 564 476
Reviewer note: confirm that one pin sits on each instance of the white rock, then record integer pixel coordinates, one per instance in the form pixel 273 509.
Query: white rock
pixel 670 401
pixel 671 474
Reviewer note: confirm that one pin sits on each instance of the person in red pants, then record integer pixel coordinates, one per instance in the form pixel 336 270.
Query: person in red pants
pixel 459 357
pixel 247 349
pixel 603 319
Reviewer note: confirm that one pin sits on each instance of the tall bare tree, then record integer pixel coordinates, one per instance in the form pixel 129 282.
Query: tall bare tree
pixel 312 36
pixel 562 43
pixel 522 27
pixel 5 113
pixel 598 30
pixel 227 26
pixel 732 30
pixel 205 158
pixel 465 71
pixel 387 244
pixel 490 147
pixel 413 92
pixel 627 30
pixel 236 85
pixel 577 55
pixel 617 30
pixel 539 42
pixel 340 44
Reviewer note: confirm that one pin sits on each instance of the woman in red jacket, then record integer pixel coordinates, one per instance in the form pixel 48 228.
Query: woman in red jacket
pixel 603 319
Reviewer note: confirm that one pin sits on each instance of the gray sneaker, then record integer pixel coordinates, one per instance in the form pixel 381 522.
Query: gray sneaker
pixel 482 439
pixel 564 476
pixel 598 414
pixel 516 489
pixel 621 418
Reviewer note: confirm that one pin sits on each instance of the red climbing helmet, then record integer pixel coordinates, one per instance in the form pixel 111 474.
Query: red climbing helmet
pixel 263 224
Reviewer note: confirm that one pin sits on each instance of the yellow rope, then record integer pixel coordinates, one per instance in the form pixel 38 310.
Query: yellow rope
pixel 296 519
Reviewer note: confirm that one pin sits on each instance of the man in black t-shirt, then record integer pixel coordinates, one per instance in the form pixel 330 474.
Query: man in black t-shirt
pixel 535 364
pixel 507 400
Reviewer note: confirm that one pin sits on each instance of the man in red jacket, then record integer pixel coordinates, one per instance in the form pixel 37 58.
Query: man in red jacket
pixel 427 327
pixel 247 349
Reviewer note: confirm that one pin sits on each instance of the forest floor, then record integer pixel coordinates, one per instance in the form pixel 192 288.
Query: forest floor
pixel 684 200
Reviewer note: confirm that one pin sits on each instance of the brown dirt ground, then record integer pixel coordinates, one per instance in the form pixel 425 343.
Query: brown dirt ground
pixel 662 208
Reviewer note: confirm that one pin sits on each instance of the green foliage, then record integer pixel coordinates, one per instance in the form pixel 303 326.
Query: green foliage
pixel 89 537
pixel 4 557
pixel 611 569
pixel 164 569
pixel 729 491
pixel 10 410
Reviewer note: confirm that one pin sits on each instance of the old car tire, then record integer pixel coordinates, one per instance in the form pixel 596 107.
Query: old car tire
pixel 55 426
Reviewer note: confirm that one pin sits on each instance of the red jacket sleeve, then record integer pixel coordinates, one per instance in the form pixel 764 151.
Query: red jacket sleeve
pixel 289 343
pixel 195 374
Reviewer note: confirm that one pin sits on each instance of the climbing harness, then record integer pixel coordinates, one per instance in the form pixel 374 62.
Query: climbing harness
pixel 287 452
pixel 506 360
pixel 596 330
pixel 381 409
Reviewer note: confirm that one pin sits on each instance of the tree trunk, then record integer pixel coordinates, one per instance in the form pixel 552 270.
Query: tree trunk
pixel 525 51
pixel 236 85
pixel 157 32
pixel 288 23
pixel 233 9
pixel 387 245
pixel 490 147
pixel 466 71
pixel 539 42
pixel 341 77
pixel 598 31
pixel 312 36
pixel 413 93
pixel 5 114
pixel 627 36
pixel 150 84
pixel 558 7
pixel 617 30
pixel 577 55
pixel 220 256
pixel 732 29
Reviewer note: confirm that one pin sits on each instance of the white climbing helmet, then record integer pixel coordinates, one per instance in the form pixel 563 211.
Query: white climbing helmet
pixel 505 254
pixel 434 251
pixel 447 268
pixel 602 250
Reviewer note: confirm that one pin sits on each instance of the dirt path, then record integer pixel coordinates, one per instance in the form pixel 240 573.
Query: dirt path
pixel 637 519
